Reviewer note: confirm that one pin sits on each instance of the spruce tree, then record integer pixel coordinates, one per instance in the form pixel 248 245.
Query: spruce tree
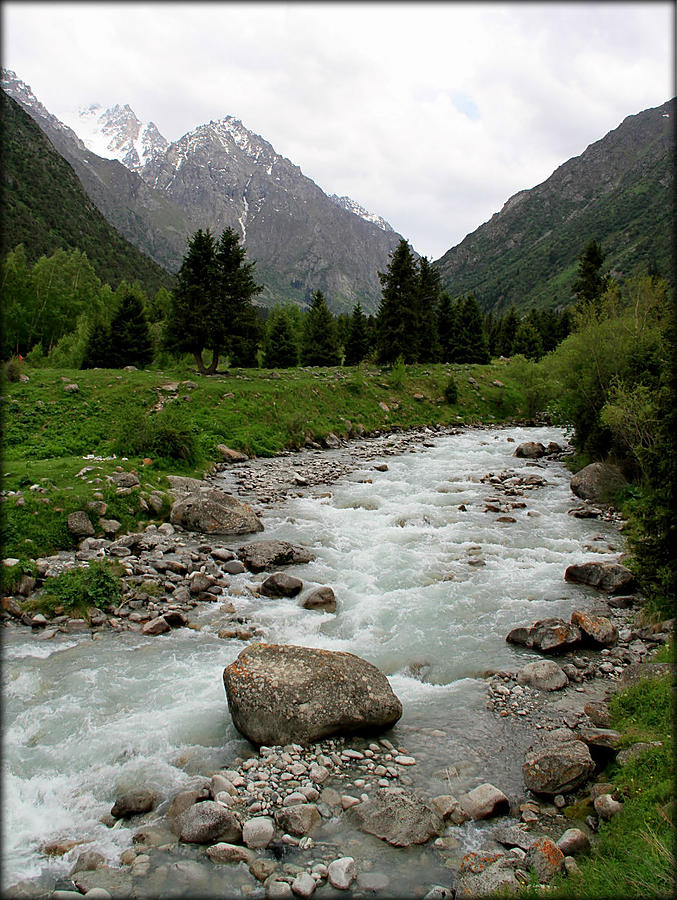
pixel 397 320
pixel 446 328
pixel 472 346
pixel 280 348
pixel 99 347
pixel 528 341
pixel 319 345
pixel 428 295
pixel 507 332
pixel 131 343
pixel 357 345
pixel 590 284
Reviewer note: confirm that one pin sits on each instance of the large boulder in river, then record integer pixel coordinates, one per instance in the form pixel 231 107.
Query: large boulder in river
pixel 550 635
pixel 283 694
pixel 213 511
pixel 529 450
pixel 397 816
pixel 612 578
pixel 598 482
pixel 261 555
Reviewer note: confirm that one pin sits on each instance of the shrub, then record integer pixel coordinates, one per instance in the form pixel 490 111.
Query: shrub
pixel 12 369
pixel 165 434
pixel 398 372
pixel 79 590
pixel 451 391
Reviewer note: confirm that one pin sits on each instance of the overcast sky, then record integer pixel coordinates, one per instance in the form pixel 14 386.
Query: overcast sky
pixel 431 115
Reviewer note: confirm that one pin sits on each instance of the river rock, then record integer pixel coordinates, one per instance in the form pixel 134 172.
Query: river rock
pixel 132 803
pixel 280 584
pixel 284 694
pixel 573 841
pixel 529 450
pixel 597 629
pixel 321 598
pixel 543 674
pixel 483 801
pixel 88 861
pixel 612 578
pixel 230 455
pixel 261 555
pixel 398 816
pixel 79 525
pixel 213 511
pixel 546 859
pixel 493 877
pixel 637 671
pixel 298 819
pixel 159 625
pixel 229 853
pixel 550 635
pixel 342 872
pixel 598 712
pixel 303 885
pixel 557 768
pixel 598 482
pixel 600 738
pixel 258 832
pixel 606 807
pixel 208 822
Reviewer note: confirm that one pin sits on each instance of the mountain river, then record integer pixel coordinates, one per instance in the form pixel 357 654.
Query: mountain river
pixel 428 585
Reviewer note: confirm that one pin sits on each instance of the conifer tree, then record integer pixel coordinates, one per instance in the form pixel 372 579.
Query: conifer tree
pixel 397 320
pixel 527 341
pixel 428 295
pixel 590 284
pixel 507 332
pixel 130 338
pixel 319 345
pixel 357 345
pixel 472 346
pixel 99 347
pixel 446 328
pixel 280 347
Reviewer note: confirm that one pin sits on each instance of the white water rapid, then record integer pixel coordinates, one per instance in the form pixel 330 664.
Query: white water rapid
pixel 426 590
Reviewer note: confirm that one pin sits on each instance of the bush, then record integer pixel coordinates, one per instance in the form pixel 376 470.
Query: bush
pixel 12 369
pixel 398 372
pixel 80 590
pixel 165 434
pixel 451 391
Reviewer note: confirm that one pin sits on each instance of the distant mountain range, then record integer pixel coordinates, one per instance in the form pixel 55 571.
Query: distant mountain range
pixel 221 174
pixel 619 191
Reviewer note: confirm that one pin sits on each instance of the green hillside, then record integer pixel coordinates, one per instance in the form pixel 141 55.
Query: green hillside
pixel 44 207
pixel 619 191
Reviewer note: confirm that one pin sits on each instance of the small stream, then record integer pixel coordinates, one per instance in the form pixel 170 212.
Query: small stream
pixel 428 584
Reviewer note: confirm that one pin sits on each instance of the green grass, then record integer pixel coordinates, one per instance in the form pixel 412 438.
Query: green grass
pixel 78 591
pixel 633 855
pixel 48 431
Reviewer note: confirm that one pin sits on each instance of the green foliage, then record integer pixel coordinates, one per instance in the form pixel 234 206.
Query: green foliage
pixel 319 346
pixel 590 284
pixel 398 372
pixel 12 369
pixel 82 589
pixel 46 209
pixel 281 342
pixel 451 391
pixel 471 341
pixel 397 320
pixel 130 342
pixel 167 434
pixel 357 342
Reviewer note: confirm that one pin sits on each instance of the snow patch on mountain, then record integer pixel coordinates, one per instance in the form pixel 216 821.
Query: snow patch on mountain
pixel 354 207
pixel 117 133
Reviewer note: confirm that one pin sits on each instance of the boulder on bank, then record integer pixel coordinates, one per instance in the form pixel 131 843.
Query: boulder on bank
pixel 550 635
pixel 261 555
pixel 598 482
pixel 557 768
pixel 212 511
pixel 285 694
pixel 397 816
pixel 596 629
pixel 611 578
pixel 281 585
pixel 543 674
pixel 483 801
pixel 207 823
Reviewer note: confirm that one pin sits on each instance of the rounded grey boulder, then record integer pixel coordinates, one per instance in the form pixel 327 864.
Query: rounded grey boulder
pixel 557 768
pixel 285 694
pixel 212 511
pixel 598 482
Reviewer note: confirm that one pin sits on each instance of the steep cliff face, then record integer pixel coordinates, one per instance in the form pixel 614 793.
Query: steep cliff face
pixel 619 191
pixel 221 174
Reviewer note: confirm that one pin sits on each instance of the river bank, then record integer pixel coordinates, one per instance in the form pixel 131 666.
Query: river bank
pixel 500 741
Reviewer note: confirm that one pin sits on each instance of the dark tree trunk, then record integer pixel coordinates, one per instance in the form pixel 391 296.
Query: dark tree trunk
pixel 199 362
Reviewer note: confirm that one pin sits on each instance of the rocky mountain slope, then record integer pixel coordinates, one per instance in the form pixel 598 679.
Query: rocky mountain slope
pixel 116 133
pixel 619 191
pixel 221 174
pixel 45 207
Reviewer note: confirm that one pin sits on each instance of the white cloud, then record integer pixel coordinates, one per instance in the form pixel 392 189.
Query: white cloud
pixel 431 115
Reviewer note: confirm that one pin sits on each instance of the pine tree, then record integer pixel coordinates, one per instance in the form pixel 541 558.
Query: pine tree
pixel 319 346
pixel 428 295
pixel 397 320
pixel 507 332
pixel 446 328
pixel 357 345
pixel 99 347
pixel 131 343
pixel 528 341
pixel 472 346
pixel 214 291
pixel 590 284
pixel 280 348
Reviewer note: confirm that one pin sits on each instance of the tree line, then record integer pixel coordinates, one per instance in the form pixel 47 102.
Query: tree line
pixel 59 312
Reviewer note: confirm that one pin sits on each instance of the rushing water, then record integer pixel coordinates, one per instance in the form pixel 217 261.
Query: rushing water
pixel 426 591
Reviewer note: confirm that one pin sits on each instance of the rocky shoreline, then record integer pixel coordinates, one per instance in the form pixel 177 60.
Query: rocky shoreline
pixel 255 821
